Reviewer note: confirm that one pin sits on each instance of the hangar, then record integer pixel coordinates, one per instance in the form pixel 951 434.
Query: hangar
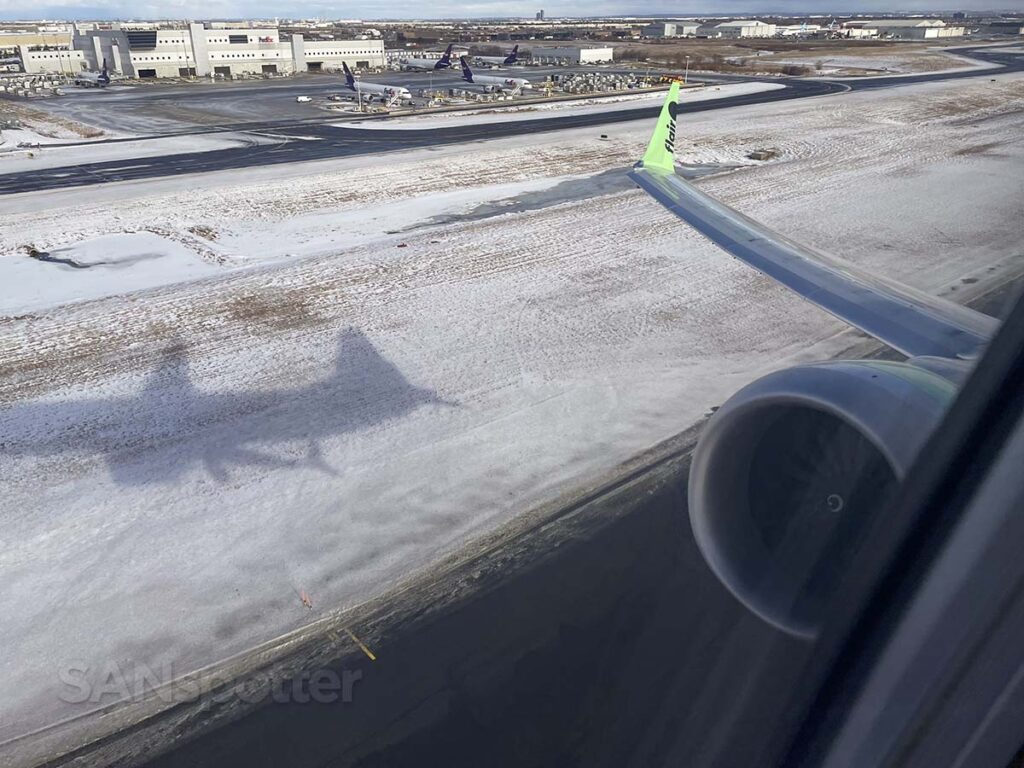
pixel 909 29
pixel 206 50
pixel 574 54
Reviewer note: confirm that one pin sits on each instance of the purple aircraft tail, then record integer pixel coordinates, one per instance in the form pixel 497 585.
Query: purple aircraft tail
pixel 349 79
pixel 104 76
pixel 467 73
pixel 446 60
pixel 513 57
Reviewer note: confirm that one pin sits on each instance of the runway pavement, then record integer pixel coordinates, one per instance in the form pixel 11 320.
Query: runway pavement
pixel 321 140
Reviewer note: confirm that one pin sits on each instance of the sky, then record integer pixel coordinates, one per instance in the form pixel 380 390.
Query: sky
pixel 391 9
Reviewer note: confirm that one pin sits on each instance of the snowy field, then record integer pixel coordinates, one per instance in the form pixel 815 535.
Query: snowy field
pixel 935 63
pixel 323 404
pixel 880 61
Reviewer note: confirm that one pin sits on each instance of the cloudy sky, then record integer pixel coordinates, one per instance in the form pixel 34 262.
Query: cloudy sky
pixel 378 9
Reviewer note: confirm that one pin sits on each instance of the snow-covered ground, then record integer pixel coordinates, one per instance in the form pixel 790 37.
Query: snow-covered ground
pixel 234 227
pixel 53 155
pixel 88 270
pixel 884 62
pixel 180 464
pixel 902 68
pixel 544 111
pixel 10 138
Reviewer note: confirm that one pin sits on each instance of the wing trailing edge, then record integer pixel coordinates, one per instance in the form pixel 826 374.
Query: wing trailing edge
pixel 911 321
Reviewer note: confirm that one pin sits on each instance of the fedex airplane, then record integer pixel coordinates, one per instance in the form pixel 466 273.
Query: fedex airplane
pixel 384 92
pixel 501 61
pixel 512 84
pixel 444 62
pixel 99 79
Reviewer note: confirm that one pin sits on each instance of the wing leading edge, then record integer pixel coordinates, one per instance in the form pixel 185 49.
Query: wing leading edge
pixel 902 317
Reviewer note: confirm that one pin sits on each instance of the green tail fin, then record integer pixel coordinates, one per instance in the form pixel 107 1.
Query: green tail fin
pixel 661 151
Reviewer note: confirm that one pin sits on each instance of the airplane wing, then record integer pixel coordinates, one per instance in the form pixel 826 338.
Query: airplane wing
pixel 911 321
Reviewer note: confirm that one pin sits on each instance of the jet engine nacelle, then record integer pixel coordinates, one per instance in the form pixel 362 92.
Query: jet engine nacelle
pixel 793 469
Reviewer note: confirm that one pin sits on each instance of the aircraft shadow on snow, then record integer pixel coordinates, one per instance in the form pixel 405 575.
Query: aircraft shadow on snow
pixel 170 427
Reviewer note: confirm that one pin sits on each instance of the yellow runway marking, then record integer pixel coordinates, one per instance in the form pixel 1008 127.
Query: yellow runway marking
pixel 362 646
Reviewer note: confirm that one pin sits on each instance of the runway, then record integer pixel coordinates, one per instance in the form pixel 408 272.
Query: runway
pixel 316 139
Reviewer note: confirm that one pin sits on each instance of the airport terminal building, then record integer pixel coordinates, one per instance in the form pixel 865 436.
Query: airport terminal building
pixel 209 51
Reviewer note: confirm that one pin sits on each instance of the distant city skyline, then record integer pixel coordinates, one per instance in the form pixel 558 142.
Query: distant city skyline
pixel 404 9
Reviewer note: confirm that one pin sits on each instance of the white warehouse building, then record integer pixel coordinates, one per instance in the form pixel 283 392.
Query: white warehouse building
pixel 37 60
pixel 327 56
pixel 201 51
pixel 195 50
pixel 574 54
pixel 671 29
pixel 911 29
pixel 744 28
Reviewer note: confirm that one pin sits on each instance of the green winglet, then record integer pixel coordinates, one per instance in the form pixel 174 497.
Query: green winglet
pixel 660 152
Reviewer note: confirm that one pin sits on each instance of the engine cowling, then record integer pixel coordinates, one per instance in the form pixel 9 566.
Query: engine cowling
pixel 792 470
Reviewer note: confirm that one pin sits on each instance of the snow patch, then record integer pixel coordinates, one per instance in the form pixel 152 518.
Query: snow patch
pixel 56 154
pixel 104 266
pixel 10 138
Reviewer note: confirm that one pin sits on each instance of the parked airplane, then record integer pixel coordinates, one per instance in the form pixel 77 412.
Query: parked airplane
pixel 99 79
pixel 489 83
pixel 444 62
pixel 793 469
pixel 384 92
pixel 512 58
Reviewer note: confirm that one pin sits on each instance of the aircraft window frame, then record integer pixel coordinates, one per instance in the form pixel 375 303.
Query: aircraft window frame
pixel 903 545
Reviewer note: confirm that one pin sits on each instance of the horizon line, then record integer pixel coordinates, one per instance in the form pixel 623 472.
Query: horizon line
pixel 527 17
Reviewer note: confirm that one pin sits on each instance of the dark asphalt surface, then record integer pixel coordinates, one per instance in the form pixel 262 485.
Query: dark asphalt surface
pixel 333 142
